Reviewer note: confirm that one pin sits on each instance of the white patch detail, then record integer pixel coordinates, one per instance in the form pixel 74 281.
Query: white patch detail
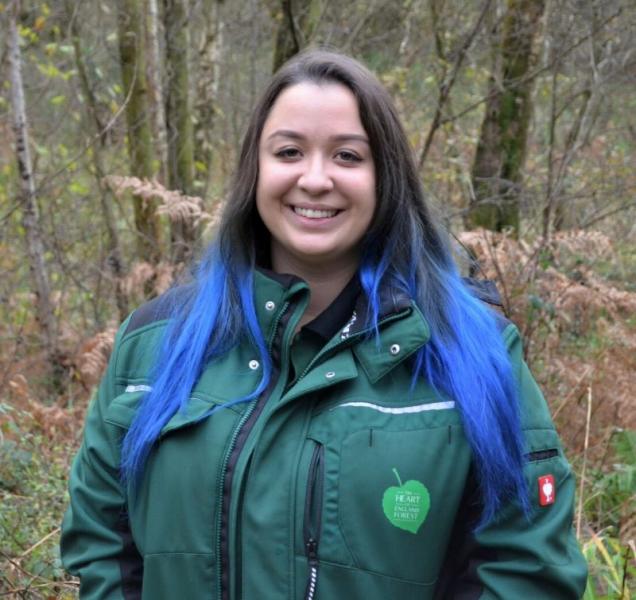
pixel 346 332
pixel 310 213
pixel 400 410
pixel 138 388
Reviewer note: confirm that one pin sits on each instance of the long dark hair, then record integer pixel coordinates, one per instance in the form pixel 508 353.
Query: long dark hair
pixel 404 250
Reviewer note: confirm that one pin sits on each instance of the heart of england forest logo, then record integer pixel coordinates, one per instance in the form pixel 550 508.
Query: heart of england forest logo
pixel 406 505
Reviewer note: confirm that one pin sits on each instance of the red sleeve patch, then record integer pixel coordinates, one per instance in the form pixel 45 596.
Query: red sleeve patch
pixel 547 490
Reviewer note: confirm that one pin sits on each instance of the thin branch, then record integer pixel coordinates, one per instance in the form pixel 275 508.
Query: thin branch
pixel 585 447
pixel 46 537
pixel 532 74
pixel 446 85
pixel 608 214
pixel 92 141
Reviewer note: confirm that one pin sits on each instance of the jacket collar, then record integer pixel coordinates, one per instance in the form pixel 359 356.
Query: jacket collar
pixel 402 327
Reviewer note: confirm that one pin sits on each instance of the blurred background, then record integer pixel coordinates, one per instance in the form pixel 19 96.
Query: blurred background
pixel 120 124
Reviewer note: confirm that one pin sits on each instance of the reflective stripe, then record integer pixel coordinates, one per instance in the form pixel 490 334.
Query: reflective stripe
pixel 138 388
pixel 401 410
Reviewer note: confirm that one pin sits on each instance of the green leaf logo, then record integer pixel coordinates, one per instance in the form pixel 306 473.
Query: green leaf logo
pixel 406 506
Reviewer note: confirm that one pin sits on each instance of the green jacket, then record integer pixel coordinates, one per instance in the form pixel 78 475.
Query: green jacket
pixel 340 484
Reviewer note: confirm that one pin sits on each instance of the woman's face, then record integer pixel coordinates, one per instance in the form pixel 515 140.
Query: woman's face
pixel 316 182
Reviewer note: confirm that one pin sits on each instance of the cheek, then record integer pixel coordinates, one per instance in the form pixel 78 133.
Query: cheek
pixel 274 179
pixel 363 189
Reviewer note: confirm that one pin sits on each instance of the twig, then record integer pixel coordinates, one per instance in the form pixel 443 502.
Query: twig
pixel 34 576
pixel 624 582
pixel 585 446
pixel 37 585
pixel 46 537
pixel 449 80
pixel 587 372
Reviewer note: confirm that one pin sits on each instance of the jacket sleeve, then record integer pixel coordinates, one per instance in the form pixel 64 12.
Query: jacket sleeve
pixel 96 543
pixel 519 556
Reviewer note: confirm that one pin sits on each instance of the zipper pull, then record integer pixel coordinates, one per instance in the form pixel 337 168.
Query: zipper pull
pixel 312 550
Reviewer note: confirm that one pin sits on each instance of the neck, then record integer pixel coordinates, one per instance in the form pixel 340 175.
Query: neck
pixel 324 283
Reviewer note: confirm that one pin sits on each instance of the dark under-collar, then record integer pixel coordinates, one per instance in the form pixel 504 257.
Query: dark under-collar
pixel 336 315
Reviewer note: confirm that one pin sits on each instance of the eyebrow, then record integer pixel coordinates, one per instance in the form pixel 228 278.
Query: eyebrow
pixel 341 137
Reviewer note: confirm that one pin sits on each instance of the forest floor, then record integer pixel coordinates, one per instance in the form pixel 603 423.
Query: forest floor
pixel 575 304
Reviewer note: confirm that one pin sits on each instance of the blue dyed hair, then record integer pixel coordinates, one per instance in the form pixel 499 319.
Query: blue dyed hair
pixel 404 249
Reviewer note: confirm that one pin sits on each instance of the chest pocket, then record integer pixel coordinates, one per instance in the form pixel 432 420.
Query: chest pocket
pixel 394 476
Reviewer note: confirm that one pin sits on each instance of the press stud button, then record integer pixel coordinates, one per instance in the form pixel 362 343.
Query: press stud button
pixel 394 349
pixel 330 374
pixel 269 305
pixel 254 364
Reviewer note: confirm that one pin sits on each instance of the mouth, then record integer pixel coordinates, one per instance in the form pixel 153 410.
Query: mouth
pixel 314 213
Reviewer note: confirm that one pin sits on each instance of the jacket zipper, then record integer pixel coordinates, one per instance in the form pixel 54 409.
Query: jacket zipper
pixel 239 437
pixel 313 517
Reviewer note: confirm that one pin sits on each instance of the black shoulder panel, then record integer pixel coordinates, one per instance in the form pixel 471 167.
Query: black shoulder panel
pixel 484 289
pixel 160 308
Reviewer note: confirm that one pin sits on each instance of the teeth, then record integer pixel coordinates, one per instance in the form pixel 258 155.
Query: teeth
pixel 314 214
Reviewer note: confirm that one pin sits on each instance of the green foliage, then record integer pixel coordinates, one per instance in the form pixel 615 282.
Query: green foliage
pixel 612 571
pixel 608 506
pixel 613 492
pixel 33 473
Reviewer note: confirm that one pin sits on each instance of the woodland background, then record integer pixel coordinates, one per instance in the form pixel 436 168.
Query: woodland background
pixel 120 123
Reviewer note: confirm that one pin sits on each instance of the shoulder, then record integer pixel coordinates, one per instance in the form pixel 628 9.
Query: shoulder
pixel 141 334
pixel 159 309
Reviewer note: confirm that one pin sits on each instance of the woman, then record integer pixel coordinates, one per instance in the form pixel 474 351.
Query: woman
pixel 327 411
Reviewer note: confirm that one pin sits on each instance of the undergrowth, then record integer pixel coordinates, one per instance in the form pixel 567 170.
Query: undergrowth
pixel 33 496
pixel 575 305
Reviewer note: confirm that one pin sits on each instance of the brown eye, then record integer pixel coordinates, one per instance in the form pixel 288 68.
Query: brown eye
pixel 348 156
pixel 288 153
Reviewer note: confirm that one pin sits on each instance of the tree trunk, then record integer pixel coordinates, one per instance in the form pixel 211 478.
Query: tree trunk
pixel 154 73
pixel 30 213
pixel 114 260
pixel 500 155
pixel 179 120
pixel 131 32
pixel 208 76
pixel 296 23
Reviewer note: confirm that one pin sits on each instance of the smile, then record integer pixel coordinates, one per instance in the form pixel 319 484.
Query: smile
pixel 312 213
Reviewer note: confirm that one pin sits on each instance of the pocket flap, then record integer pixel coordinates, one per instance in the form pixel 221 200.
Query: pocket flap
pixel 539 440
pixel 123 408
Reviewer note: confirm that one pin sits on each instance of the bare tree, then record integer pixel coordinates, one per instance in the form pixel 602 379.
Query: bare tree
pixel 209 48
pixel 296 23
pixel 114 260
pixel 154 74
pixel 501 150
pixel 179 119
pixel 448 76
pixel 29 206
pixel 131 34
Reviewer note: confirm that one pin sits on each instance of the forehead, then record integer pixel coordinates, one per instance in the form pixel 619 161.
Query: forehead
pixel 315 108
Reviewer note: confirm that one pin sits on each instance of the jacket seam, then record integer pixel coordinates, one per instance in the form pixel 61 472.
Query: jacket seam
pixel 383 575
pixel 149 554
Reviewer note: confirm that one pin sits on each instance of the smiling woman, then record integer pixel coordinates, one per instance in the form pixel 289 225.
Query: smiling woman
pixel 252 426
pixel 316 185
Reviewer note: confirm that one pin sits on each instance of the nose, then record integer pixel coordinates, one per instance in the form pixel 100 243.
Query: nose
pixel 315 179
